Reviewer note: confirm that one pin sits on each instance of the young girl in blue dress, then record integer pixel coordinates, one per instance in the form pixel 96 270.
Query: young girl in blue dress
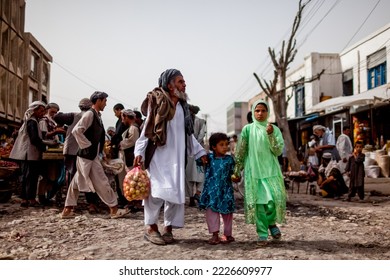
pixel 217 197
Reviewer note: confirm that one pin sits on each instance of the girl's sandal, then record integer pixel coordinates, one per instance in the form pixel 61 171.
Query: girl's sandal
pixel 214 240
pixel 275 232
pixel 262 242
pixel 227 239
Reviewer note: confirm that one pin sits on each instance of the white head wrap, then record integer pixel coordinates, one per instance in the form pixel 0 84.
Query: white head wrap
pixel 128 112
pixel 316 127
pixel 29 112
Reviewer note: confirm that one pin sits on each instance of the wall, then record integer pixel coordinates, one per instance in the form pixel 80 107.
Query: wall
pixel 355 57
pixel 329 84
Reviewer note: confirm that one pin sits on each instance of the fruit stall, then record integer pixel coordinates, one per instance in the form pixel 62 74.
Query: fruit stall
pixel 9 173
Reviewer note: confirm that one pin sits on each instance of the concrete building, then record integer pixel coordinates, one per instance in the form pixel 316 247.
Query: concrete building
pixel 236 117
pixel 352 91
pixel 24 66
pixel 306 94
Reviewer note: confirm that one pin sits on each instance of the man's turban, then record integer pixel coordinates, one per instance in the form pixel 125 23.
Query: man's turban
pixel 316 127
pixel 85 104
pixel 128 112
pixel 166 77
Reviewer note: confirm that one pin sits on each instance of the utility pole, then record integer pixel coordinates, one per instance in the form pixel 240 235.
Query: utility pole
pixel 206 134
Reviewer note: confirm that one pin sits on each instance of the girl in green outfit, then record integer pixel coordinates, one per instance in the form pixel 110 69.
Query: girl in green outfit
pixel 257 150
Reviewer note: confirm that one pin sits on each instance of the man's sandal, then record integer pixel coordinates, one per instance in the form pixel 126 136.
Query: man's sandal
pixel 120 213
pixel 67 214
pixel 275 232
pixel 154 237
pixel 168 237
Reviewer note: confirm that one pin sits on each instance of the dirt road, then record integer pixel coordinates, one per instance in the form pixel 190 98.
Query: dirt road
pixel 316 228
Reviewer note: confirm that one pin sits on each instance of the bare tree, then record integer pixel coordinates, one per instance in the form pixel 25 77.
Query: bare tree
pixel 278 96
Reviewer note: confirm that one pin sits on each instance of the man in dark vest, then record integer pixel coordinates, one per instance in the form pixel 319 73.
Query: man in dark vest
pixel 90 177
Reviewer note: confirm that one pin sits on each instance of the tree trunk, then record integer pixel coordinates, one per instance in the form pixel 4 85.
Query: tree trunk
pixel 288 143
pixel 278 97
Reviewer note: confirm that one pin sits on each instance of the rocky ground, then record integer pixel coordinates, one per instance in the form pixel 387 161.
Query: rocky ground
pixel 316 229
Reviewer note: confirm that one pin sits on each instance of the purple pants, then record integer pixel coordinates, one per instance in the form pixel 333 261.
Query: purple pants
pixel 214 222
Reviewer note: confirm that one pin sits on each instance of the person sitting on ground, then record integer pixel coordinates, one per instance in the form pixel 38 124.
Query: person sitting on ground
pixel 330 180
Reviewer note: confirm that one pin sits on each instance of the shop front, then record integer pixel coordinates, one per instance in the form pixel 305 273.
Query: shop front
pixel 371 125
pixel 302 128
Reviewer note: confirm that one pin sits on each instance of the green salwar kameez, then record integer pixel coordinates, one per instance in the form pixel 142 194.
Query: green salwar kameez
pixel 257 153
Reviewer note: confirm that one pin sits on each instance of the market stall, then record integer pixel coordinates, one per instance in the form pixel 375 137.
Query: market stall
pixel 9 173
pixel 53 154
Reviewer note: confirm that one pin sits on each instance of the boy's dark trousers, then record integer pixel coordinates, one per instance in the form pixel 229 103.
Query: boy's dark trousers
pixel 358 189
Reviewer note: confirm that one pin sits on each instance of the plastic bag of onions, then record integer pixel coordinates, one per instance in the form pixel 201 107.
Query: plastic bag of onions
pixel 136 185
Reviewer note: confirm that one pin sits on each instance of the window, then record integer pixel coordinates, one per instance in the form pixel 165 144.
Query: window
pixel 4 44
pixel 32 96
pixel 20 57
pixel 45 74
pixel 34 65
pixel 6 7
pixel 12 96
pixel 19 99
pixel 377 76
pixel 3 89
pixel 348 83
pixel 14 52
pixel 376 69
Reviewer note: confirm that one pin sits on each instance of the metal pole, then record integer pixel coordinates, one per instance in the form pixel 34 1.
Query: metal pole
pixel 206 134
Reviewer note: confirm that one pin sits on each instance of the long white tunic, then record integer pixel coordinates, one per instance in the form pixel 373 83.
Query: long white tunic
pixel 167 167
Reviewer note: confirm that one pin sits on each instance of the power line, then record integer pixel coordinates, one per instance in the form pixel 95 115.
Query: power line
pixel 360 27
pixel 74 75
pixel 87 84
pixel 318 23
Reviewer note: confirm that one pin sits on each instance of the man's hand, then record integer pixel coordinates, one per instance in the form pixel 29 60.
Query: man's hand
pixel 137 161
pixel 60 130
pixel 204 160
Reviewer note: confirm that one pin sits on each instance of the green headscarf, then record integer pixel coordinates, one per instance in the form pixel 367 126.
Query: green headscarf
pixel 263 102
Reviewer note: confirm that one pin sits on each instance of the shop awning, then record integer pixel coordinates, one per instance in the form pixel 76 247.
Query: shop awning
pixel 374 96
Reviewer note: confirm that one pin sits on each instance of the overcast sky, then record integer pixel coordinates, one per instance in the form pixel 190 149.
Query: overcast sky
pixel 122 46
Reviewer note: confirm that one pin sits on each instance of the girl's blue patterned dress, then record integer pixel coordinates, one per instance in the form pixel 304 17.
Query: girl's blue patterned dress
pixel 218 193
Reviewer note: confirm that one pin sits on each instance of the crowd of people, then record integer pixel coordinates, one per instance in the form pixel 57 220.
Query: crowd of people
pixel 169 144
pixel 336 165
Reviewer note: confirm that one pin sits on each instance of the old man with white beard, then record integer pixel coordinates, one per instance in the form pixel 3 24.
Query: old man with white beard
pixel 166 139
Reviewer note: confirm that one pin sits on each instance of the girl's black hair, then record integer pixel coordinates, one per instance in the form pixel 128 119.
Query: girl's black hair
pixel 215 138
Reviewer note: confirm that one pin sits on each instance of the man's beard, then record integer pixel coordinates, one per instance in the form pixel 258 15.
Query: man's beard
pixel 181 95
